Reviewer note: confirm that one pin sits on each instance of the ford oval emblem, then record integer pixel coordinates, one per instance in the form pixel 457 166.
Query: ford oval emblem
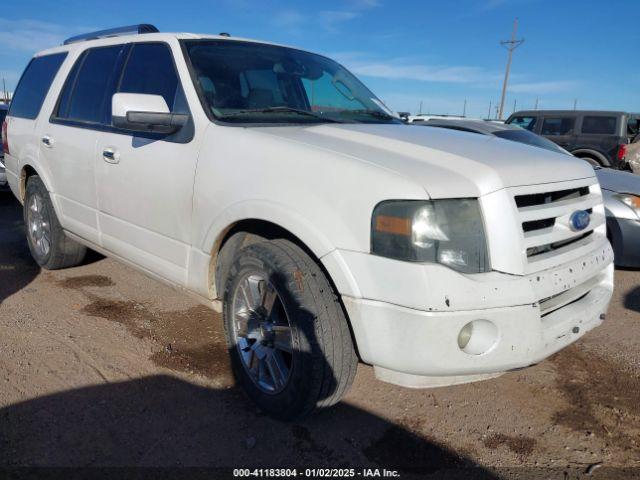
pixel 579 220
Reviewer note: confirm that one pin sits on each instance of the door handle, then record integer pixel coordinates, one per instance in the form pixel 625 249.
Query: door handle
pixel 110 155
pixel 47 141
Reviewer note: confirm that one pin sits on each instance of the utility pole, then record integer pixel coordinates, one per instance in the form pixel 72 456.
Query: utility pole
pixel 515 102
pixel 510 45
pixel 536 106
pixel 489 114
pixel 575 103
pixel 420 107
pixel 464 109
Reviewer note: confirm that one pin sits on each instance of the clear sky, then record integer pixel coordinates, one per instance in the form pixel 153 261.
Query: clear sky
pixel 440 52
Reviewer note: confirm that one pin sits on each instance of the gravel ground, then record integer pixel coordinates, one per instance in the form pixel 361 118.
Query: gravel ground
pixel 102 366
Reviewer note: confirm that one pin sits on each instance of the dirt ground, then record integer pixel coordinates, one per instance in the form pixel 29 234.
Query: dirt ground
pixel 102 366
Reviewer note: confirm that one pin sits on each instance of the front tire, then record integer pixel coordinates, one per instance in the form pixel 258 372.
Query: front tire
pixel 49 246
pixel 289 341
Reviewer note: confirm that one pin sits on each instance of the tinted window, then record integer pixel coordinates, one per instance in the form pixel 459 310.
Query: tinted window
pixel 3 114
pixel 250 82
pixel 525 122
pixel 34 85
pixel 63 102
pixel 150 70
pixel 557 126
pixel 601 125
pixel 92 85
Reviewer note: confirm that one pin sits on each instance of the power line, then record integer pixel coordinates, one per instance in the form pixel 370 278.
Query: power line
pixel 510 45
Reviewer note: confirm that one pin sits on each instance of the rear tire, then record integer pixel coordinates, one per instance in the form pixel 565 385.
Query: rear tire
pixel 321 363
pixel 49 245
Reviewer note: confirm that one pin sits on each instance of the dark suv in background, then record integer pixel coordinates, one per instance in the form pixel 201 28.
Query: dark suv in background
pixel 599 137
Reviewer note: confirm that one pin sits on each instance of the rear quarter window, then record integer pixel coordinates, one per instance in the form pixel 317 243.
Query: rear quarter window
pixel 34 85
pixel 599 125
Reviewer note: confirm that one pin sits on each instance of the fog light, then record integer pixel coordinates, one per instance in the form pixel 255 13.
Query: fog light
pixel 478 337
pixel 465 335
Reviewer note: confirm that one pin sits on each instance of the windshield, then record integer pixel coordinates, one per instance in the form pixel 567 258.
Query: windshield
pixel 255 83
pixel 525 136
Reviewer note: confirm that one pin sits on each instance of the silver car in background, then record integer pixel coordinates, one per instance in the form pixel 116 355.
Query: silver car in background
pixel 620 190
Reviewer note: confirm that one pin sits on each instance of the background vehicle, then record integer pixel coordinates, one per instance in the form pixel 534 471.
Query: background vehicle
pixel 599 137
pixel 3 176
pixel 621 190
pixel 633 155
pixel 424 117
pixel 270 183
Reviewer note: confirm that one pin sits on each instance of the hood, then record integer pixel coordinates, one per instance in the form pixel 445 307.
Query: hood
pixel 446 163
pixel 617 181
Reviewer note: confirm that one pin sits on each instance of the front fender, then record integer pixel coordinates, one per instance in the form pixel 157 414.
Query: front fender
pixel 295 223
pixel 269 211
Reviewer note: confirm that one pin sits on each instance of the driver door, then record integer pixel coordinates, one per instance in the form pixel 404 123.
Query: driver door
pixel 145 181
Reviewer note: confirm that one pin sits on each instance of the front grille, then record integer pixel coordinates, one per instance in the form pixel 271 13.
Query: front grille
pixel 550 197
pixel 545 215
pixel 533 251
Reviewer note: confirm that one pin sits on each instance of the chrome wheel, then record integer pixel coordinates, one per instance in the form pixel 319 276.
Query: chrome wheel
pixel 262 333
pixel 38 225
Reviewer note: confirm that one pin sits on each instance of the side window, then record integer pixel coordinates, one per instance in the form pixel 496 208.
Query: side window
pixel 633 125
pixel 85 97
pixel 63 102
pixel 34 85
pixel 557 126
pixel 150 69
pixel 525 122
pixel 600 125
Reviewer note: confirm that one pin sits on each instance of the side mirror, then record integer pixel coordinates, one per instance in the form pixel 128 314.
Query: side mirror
pixel 139 112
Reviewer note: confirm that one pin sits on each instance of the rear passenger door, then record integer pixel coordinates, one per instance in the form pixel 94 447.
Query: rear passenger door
pixel 30 96
pixel 561 130
pixel 68 139
pixel 145 181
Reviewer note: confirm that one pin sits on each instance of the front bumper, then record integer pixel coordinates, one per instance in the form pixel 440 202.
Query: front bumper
pixel 534 316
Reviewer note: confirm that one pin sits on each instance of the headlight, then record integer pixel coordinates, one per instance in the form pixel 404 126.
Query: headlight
pixel 631 201
pixel 449 232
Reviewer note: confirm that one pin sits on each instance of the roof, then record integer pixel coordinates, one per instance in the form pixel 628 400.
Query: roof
pixel 148 37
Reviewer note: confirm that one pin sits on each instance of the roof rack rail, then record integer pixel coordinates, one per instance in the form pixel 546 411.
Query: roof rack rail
pixel 113 32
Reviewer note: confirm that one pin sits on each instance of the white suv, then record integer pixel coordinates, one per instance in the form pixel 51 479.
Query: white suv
pixel 269 182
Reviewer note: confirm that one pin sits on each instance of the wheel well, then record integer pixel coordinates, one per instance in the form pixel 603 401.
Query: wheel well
pixel 247 232
pixel 240 235
pixel 27 171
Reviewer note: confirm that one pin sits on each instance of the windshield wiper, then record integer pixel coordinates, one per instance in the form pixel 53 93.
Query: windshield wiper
pixel 280 109
pixel 373 113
